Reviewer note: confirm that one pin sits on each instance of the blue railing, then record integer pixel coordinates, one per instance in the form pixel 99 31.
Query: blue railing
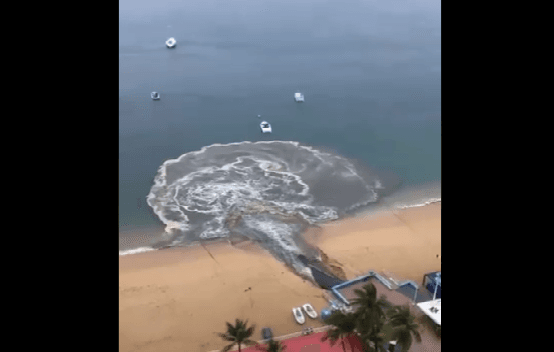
pixel 380 278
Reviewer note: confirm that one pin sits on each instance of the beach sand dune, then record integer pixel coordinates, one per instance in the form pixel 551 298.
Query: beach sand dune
pixel 176 299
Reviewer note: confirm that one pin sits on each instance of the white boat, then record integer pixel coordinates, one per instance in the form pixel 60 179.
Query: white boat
pixel 265 126
pixel 155 95
pixel 297 312
pixel 310 310
pixel 171 42
pixel 299 97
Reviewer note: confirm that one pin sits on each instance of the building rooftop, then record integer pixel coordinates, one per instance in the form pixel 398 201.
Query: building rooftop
pixel 432 309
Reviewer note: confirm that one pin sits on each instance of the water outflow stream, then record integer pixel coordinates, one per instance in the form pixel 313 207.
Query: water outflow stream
pixel 267 192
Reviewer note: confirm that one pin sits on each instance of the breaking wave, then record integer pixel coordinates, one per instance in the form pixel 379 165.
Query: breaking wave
pixel 136 250
pixel 419 204
pixel 264 191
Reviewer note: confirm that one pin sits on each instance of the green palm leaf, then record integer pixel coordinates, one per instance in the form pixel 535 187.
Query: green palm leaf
pixel 273 346
pixel 344 325
pixel 237 334
pixel 227 348
pixel 404 327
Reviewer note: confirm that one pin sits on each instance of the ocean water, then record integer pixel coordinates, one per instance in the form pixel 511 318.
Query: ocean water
pixel 194 164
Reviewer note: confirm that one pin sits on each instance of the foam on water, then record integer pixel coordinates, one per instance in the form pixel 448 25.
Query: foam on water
pixel 420 204
pixel 136 250
pixel 265 188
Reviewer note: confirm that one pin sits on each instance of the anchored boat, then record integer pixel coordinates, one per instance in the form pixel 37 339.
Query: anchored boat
pixel 265 126
pixel 171 42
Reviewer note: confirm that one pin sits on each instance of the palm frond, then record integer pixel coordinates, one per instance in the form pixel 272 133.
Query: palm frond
pixel 228 347
pixel 417 335
pixel 250 330
pixel 274 346
pixel 331 335
pixel 249 342
pixel 238 333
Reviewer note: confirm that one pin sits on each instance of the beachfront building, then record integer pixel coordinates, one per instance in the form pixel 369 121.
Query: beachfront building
pixel 432 309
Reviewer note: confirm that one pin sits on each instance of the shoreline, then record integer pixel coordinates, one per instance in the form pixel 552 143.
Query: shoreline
pixel 402 241
pixel 366 211
pixel 181 296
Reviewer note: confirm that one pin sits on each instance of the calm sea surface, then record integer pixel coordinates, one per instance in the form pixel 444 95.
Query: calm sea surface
pixel 370 72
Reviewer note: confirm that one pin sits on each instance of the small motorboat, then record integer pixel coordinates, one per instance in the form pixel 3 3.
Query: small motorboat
pixel 310 310
pixel 297 312
pixel 299 97
pixel 155 95
pixel 265 126
pixel 171 42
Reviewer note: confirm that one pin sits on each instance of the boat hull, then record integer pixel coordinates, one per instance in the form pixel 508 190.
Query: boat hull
pixel 298 317
pixel 310 311
pixel 171 43
pixel 265 129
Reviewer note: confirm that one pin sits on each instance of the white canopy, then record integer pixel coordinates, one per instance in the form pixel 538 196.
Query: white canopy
pixel 432 309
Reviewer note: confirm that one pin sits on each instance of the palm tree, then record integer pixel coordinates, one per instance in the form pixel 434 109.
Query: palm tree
pixel 370 315
pixel 344 325
pixel 369 307
pixel 403 327
pixel 377 338
pixel 273 346
pixel 237 334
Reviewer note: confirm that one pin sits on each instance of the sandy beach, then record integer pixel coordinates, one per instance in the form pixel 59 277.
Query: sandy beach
pixel 404 243
pixel 176 299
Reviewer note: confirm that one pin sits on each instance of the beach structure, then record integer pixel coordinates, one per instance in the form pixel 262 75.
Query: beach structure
pixel 432 282
pixel 432 309
pixel 323 279
pixel 267 334
pixel 325 314
pixel 345 291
